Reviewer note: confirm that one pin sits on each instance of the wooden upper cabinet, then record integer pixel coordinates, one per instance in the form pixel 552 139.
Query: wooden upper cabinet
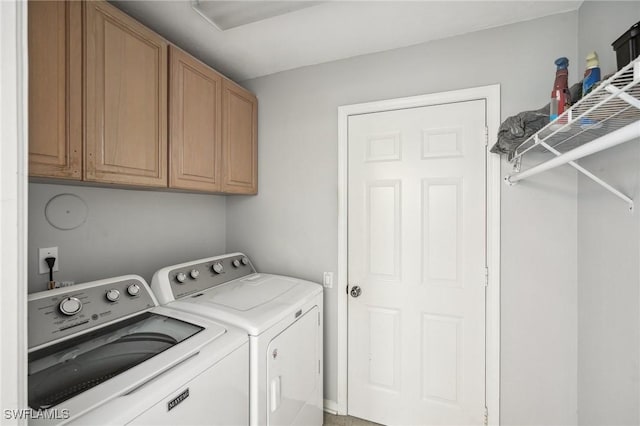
pixel 239 140
pixel 99 86
pixel 125 70
pixel 55 84
pixel 195 131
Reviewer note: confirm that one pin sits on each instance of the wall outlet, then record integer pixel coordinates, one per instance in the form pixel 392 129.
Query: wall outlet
pixel 43 253
pixel 327 280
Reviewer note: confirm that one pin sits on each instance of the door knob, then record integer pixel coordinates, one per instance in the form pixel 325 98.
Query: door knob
pixel 356 291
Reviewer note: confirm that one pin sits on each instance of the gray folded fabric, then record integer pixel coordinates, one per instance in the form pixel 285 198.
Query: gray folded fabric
pixel 518 128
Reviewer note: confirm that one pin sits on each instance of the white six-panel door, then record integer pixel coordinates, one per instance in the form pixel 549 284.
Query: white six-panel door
pixel 416 249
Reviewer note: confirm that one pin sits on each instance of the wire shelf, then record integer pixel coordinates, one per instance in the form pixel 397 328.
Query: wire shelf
pixel 613 104
pixel 606 117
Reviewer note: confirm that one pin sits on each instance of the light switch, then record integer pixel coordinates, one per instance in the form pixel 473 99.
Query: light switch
pixel 327 280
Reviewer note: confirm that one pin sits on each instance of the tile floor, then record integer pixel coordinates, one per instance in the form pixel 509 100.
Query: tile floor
pixel 331 420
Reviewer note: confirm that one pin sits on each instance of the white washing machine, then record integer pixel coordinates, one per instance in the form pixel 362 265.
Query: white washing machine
pixel 104 353
pixel 283 318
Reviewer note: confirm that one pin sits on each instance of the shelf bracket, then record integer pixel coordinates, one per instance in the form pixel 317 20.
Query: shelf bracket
pixel 517 165
pixel 591 176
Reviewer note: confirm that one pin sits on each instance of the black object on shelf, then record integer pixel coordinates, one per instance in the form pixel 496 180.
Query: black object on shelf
pixel 626 46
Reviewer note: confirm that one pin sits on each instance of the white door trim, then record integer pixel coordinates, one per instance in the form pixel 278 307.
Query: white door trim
pixel 491 94
pixel 13 208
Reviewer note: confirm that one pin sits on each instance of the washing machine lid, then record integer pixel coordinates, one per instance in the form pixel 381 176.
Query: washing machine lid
pixel 177 364
pixel 133 391
pixel 253 303
pixel 63 370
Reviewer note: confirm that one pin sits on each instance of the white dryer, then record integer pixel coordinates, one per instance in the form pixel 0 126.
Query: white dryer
pixel 104 353
pixel 283 318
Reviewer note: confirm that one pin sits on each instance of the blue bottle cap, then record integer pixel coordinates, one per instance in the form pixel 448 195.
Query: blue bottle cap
pixel 562 63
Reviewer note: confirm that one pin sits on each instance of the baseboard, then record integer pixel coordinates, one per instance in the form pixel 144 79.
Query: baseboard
pixel 330 407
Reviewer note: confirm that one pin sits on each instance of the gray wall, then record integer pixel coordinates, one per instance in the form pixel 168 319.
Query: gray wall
pixel 609 296
pixel 608 254
pixel 126 232
pixel 291 226
pixel 600 24
pixel 538 300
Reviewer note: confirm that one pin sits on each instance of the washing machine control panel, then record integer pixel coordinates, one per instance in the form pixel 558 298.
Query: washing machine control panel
pixel 58 313
pixel 191 278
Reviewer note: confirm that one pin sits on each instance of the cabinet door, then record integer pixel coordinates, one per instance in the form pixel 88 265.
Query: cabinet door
pixel 195 101
pixel 239 140
pixel 55 84
pixel 126 99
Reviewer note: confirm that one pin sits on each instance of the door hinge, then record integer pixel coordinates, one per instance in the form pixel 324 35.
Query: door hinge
pixel 486 136
pixel 486 276
pixel 486 416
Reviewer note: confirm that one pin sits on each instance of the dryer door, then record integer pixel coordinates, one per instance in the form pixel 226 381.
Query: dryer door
pixel 293 372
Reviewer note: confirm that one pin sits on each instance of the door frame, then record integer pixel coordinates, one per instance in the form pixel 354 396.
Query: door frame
pixel 491 95
pixel 13 213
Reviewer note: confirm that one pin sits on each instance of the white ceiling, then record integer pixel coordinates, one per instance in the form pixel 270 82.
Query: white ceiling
pixel 226 14
pixel 328 30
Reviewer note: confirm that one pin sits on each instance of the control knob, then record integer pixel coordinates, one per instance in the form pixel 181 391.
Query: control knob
pixel 113 295
pixel 194 274
pixel 217 268
pixel 133 290
pixel 245 260
pixel 236 263
pixel 181 277
pixel 70 306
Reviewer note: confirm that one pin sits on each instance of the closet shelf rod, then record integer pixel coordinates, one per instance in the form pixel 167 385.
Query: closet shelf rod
pixel 617 137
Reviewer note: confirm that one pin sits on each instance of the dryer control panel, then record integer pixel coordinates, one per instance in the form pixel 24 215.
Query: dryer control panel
pixel 186 279
pixel 55 314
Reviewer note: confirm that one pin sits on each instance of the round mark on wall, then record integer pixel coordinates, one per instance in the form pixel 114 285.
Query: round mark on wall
pixel 66 211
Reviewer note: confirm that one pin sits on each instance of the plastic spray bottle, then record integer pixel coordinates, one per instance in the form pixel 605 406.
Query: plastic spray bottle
pixel 560 96
pixel 591 79
pixel 591 74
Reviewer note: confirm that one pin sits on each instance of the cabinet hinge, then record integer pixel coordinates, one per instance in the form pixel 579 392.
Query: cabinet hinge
pixel 486 416
pixel 318 366
pixel 486 136
pixel 318 319
pixel 486 276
